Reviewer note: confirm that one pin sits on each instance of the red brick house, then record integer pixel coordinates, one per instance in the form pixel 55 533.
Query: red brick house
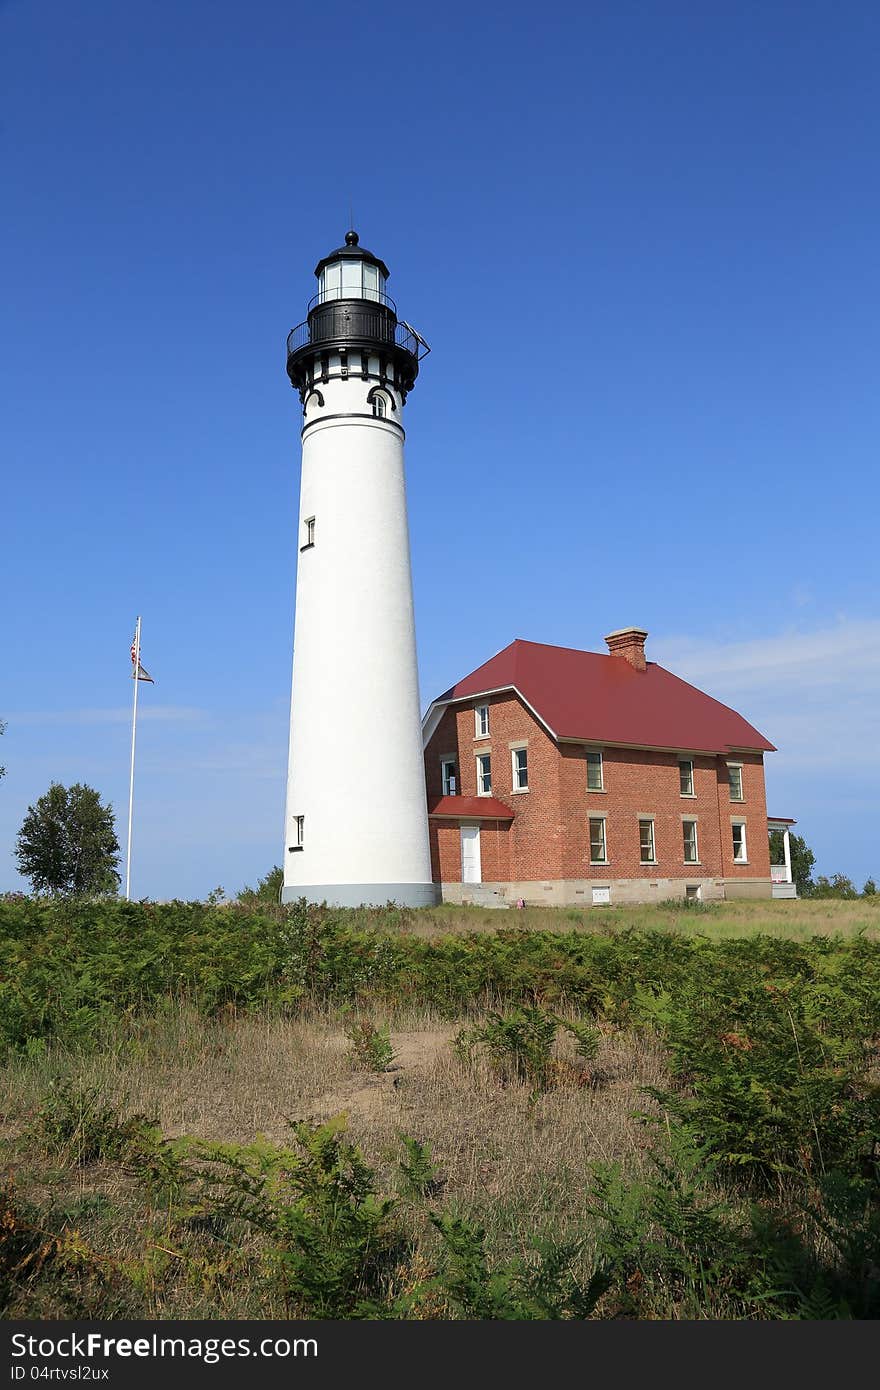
pixel 561 776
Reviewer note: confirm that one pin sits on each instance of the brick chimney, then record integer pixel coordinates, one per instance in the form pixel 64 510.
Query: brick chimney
pixel 629 642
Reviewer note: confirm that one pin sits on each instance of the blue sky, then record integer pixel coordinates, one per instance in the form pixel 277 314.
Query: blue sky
pixel 641 239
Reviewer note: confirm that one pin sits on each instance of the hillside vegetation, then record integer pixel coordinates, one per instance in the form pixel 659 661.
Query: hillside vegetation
pixel 231 1112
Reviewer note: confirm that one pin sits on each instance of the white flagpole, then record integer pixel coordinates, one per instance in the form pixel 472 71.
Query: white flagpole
pixel 137 667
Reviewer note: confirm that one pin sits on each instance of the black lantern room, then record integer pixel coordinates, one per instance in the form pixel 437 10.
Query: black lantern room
pixel 353 318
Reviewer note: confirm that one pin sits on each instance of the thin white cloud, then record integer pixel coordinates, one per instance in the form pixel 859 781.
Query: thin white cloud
pixel 178 714
pixel 816 695
pixel 832 656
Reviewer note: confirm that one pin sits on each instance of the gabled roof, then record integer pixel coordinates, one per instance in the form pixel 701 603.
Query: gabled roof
pixel 470 807
pixel 603 699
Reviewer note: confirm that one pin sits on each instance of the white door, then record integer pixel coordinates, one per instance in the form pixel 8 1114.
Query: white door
pixel 470 854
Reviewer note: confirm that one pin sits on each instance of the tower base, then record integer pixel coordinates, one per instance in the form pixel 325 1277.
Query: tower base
pixel 364 894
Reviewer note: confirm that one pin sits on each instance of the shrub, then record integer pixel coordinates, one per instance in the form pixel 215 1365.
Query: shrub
pixel 546 1288
pixel 370 1046
pixel 519 1045
pixel 77 1124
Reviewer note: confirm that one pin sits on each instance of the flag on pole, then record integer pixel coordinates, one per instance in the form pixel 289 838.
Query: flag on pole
pixel 141 674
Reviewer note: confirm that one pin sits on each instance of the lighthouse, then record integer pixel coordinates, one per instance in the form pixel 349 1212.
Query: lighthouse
pixel 356 827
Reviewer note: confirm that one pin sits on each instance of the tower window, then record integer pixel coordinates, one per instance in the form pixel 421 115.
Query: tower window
pixel 351 279
pixel 308 533
pixel 299 823
pixel 380 406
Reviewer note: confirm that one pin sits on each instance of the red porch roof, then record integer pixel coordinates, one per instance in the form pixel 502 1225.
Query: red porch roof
pixel 603 699
pixel 470 808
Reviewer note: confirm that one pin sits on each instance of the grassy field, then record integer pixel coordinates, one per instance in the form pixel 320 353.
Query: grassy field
pixel 710 1154
pixel 793 920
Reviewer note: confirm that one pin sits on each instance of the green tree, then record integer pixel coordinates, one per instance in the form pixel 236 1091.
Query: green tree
pixel 268 889
pixel 802 860
pixel 837 886
pixel 869 889
pixel 67 843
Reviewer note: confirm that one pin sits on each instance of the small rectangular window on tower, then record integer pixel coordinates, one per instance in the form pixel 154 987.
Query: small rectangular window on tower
pixel 299 824
pixel 308 533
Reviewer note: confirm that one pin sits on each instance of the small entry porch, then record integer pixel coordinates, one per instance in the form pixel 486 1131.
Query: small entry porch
pixel 780 873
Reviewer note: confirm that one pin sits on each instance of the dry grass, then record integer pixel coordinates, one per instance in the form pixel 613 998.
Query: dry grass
pixel 797 919
pixel 515 1161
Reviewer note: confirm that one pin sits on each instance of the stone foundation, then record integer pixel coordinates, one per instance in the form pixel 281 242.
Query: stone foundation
pixel 579 892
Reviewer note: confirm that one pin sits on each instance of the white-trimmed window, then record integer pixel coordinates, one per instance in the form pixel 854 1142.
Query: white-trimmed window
pixel 447 773
pixel 686 776
pixel 598 851
pixel 299 827
pixel 481 721
pixel 484 774
pixel 735 777
pixel 595 771
pixel 520 759
pixel 689 835
pixel 380 405
pixel 740 853
pixel 646 841
pixel 308 533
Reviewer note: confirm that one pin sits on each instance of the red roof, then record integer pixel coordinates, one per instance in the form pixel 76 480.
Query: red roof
pixel 603 699
pixel 470 808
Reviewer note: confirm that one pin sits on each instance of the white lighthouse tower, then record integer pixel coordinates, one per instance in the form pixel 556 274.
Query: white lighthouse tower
pixel 356 827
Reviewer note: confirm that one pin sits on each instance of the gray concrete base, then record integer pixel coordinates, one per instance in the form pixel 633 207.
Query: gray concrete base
pixel 363 894
pixel 629 891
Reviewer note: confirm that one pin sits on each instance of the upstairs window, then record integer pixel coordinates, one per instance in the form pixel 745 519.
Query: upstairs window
pixel 481 721
pixel 299 825
pixel 520 769
pixel 646 841
pixel 597 840
pixel 484 775
pixel 380 406
pixel 689 831
pixel 595 773
pixel 735 777
pixel 447 772
pixel 739 843
pixel 308 533
pixel 686 776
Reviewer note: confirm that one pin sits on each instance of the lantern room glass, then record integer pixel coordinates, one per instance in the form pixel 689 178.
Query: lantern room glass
pixel 351 279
